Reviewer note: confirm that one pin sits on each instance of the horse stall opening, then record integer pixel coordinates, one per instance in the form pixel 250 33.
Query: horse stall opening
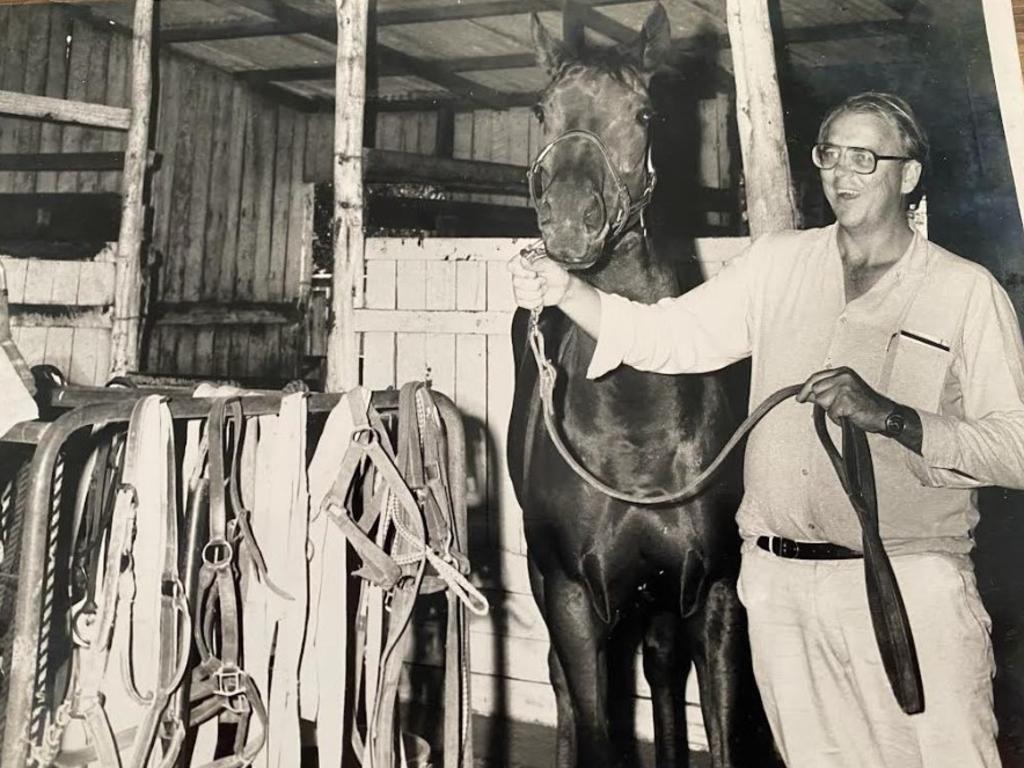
pixel 228 255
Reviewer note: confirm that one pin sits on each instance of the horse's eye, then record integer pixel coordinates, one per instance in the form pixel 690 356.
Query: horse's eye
pixel 538 112
pixel 645 116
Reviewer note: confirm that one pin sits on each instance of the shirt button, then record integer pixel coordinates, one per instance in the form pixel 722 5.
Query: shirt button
pixel 812 526
pixel 804 472
pixel 842 320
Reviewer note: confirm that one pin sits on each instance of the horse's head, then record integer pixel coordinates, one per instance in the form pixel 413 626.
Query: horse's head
pixel 592 179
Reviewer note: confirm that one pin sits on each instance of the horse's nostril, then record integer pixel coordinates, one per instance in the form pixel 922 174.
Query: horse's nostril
pixel 593 216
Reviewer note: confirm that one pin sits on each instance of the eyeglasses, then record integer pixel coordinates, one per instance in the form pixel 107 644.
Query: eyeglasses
pixel 828 156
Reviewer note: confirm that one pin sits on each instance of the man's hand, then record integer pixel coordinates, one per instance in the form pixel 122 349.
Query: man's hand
pixel 841 392
pixel 538 283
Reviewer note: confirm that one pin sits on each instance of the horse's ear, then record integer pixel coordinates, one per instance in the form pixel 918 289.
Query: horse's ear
pixel 550 53
pixel 652 46
pixel 657 36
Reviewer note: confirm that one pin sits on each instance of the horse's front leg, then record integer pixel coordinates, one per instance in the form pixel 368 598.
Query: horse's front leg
pixel 565 735
pixel 737 731
pixel 578 673
pixel 666 665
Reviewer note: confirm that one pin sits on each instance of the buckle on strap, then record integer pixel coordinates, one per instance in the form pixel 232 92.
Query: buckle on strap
pixel 229 683
pixel 782 547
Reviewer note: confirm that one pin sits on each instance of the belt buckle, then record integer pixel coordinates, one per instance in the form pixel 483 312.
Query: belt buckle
pixel 785 547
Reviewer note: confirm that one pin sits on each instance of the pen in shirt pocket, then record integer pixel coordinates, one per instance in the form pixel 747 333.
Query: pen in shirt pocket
pixel 919 338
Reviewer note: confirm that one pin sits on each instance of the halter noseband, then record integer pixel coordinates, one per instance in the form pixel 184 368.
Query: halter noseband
pixel 629 211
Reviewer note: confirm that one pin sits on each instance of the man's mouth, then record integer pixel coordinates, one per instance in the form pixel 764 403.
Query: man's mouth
pixel 847 194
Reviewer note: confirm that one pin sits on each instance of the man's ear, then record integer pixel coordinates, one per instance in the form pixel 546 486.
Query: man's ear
pixel 550 52
pixel 911 176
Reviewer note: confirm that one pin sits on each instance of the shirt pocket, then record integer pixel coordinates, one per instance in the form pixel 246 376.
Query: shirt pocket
pixel 915 371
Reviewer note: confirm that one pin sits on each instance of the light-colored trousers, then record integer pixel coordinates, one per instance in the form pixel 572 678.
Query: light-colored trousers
pixel 821 677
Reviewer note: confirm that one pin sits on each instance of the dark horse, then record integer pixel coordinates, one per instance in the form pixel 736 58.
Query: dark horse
pixel 590 556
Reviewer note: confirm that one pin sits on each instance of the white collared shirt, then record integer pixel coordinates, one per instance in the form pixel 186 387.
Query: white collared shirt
pixel 782 303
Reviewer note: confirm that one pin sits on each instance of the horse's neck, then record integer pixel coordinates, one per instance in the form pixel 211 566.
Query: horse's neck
pixel 634 271
pixel 636 274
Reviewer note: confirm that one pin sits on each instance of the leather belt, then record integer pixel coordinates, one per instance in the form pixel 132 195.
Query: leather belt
pixel 806 550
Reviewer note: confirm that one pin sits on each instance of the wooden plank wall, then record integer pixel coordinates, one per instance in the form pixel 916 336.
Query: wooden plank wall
pixel 441 309
pixel 36 57
pixel 231 214
pixel 229 206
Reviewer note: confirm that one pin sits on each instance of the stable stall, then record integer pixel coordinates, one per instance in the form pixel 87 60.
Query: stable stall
pixel 263 191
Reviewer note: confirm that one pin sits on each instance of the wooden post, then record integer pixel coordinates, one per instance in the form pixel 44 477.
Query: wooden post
pixel 770 201
pixel 1006 68
pixel 124 337
pixel 347 283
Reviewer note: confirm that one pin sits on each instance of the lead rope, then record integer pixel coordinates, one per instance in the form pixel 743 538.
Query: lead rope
pixel 548 376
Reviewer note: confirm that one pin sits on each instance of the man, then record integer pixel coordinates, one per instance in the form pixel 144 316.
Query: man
pixel 919 348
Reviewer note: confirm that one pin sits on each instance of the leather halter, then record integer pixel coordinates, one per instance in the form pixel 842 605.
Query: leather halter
pixel 107 642
pixel 220 687
pixel 628 211
pixel 405 537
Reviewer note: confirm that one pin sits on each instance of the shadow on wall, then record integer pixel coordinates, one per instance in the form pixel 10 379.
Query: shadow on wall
pixel 1000 572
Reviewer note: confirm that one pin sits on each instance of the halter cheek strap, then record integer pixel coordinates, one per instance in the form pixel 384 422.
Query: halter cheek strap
pixel 628 211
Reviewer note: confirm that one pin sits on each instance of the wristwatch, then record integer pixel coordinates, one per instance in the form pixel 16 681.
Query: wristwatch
pixel 894 423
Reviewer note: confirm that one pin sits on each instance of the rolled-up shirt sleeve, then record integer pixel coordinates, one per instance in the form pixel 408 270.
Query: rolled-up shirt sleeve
pixel 984 446
pixel 703 330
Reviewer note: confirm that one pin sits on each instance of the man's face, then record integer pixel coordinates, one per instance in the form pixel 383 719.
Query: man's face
pixel 862 202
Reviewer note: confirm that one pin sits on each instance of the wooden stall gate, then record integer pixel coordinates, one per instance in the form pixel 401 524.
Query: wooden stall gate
pixel 58 251
pixel 441 309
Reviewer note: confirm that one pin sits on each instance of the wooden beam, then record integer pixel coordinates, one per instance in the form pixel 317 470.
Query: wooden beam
pixel 771 204
pixel 91 217
pixel 449 217
pixel 59 316
pixel 478 10
pixel 595 20
pixel 68 161
pixel 286 74
pixel 385 165
pixel 388 56
pixel 197 313
pixel 124 336
pixel 426 103
pixel 322 27
pixel 347 274
pixel 468 175
pixel 63 161
pixel 713 11
pixel 230 30
pixel 574 30
pixel 64 110
pixel 442 75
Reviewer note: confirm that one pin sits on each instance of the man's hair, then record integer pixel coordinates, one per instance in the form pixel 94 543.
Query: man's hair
pixel 899 115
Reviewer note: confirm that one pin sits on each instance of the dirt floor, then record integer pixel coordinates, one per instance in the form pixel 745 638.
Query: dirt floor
pixel 524 745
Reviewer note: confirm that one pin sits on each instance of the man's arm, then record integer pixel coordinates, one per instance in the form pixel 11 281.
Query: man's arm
pixel 702 330
pixel 986 445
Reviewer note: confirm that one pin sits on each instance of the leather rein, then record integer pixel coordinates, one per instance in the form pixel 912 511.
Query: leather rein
pixel 853 465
